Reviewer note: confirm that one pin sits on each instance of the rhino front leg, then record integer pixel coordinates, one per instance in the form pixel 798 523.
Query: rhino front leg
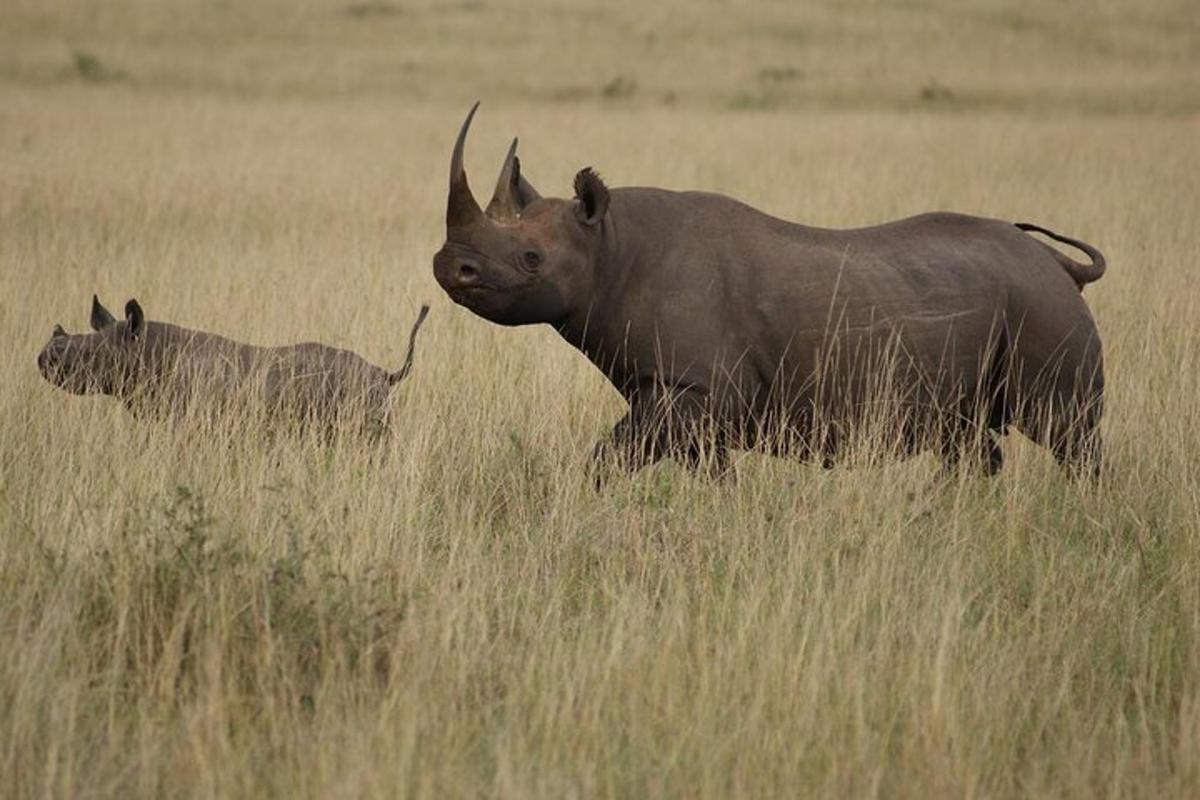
pixel 617 451
pixel 676 426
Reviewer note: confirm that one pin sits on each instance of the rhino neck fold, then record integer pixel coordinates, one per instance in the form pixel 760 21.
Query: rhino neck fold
pixel 591 324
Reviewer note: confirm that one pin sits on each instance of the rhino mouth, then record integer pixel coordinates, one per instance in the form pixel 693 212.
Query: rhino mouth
pixel 51 368
pixel 66 380
pixel 464 295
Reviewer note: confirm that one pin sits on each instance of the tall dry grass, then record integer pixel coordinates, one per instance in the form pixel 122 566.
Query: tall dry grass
pixel 202 610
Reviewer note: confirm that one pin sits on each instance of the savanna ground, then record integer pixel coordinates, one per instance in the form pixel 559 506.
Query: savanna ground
pixel 202 611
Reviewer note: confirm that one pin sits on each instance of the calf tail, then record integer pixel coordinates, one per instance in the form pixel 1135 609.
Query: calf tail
pixel 400 374
pixel 1081 273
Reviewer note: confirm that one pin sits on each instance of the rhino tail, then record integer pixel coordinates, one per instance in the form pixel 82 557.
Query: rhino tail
pixel 402 373
pixel 1081 273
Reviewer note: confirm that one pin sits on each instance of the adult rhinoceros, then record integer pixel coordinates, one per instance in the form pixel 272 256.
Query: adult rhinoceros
pixel 725 327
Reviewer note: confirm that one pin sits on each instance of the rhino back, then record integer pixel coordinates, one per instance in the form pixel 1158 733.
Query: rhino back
pixel 180 367
pixel 313 380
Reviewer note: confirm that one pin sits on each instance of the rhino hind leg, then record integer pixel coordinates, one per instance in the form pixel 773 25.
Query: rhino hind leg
pixel 1064 417
pixel 990 455
pixel 993 460
pixel 975 428
pixel 992 417
pixel 973 432
pixel 1071 431
pixel 978 450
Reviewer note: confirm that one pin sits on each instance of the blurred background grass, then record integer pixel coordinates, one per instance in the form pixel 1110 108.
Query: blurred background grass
pixel 1106 57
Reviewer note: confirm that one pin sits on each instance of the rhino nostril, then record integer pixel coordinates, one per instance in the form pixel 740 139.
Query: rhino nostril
pixel 468 273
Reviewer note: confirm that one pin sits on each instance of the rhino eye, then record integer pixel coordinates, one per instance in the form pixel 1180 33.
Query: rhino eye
pixel 532 258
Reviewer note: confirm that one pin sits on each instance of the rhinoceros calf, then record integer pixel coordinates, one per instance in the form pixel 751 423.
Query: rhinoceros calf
pixel 159 369
pixel 725 327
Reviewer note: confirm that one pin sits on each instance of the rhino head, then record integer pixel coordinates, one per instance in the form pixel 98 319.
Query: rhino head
pixel 107 361
pixel 526 258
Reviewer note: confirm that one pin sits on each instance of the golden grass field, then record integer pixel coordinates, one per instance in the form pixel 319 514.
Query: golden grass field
pixel 200 610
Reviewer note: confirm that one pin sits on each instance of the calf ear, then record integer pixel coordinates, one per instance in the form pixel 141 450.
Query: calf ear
pixel 135 319
pixel 101 316
pixel 591 197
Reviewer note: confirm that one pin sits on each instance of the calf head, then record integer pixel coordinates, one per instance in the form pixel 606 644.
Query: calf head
pixel 526 259
pixel 108 361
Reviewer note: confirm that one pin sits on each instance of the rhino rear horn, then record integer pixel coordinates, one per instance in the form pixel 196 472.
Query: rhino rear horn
pixel 461 208
pixel 513 192
pixel 504 204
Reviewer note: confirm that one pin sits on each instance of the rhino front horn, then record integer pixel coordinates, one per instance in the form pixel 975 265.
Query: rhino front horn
pixel 461 209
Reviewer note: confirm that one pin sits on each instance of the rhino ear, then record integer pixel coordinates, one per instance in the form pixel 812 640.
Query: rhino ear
pixel 135 319
pixel 58 332
pixel 101 316
pixel 591 197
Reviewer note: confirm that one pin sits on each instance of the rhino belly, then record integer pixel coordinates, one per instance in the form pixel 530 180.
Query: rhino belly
pixel 905 374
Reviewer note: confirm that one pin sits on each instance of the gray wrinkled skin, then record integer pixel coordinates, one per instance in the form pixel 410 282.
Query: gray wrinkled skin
pixel 725 327
pixel 162 370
